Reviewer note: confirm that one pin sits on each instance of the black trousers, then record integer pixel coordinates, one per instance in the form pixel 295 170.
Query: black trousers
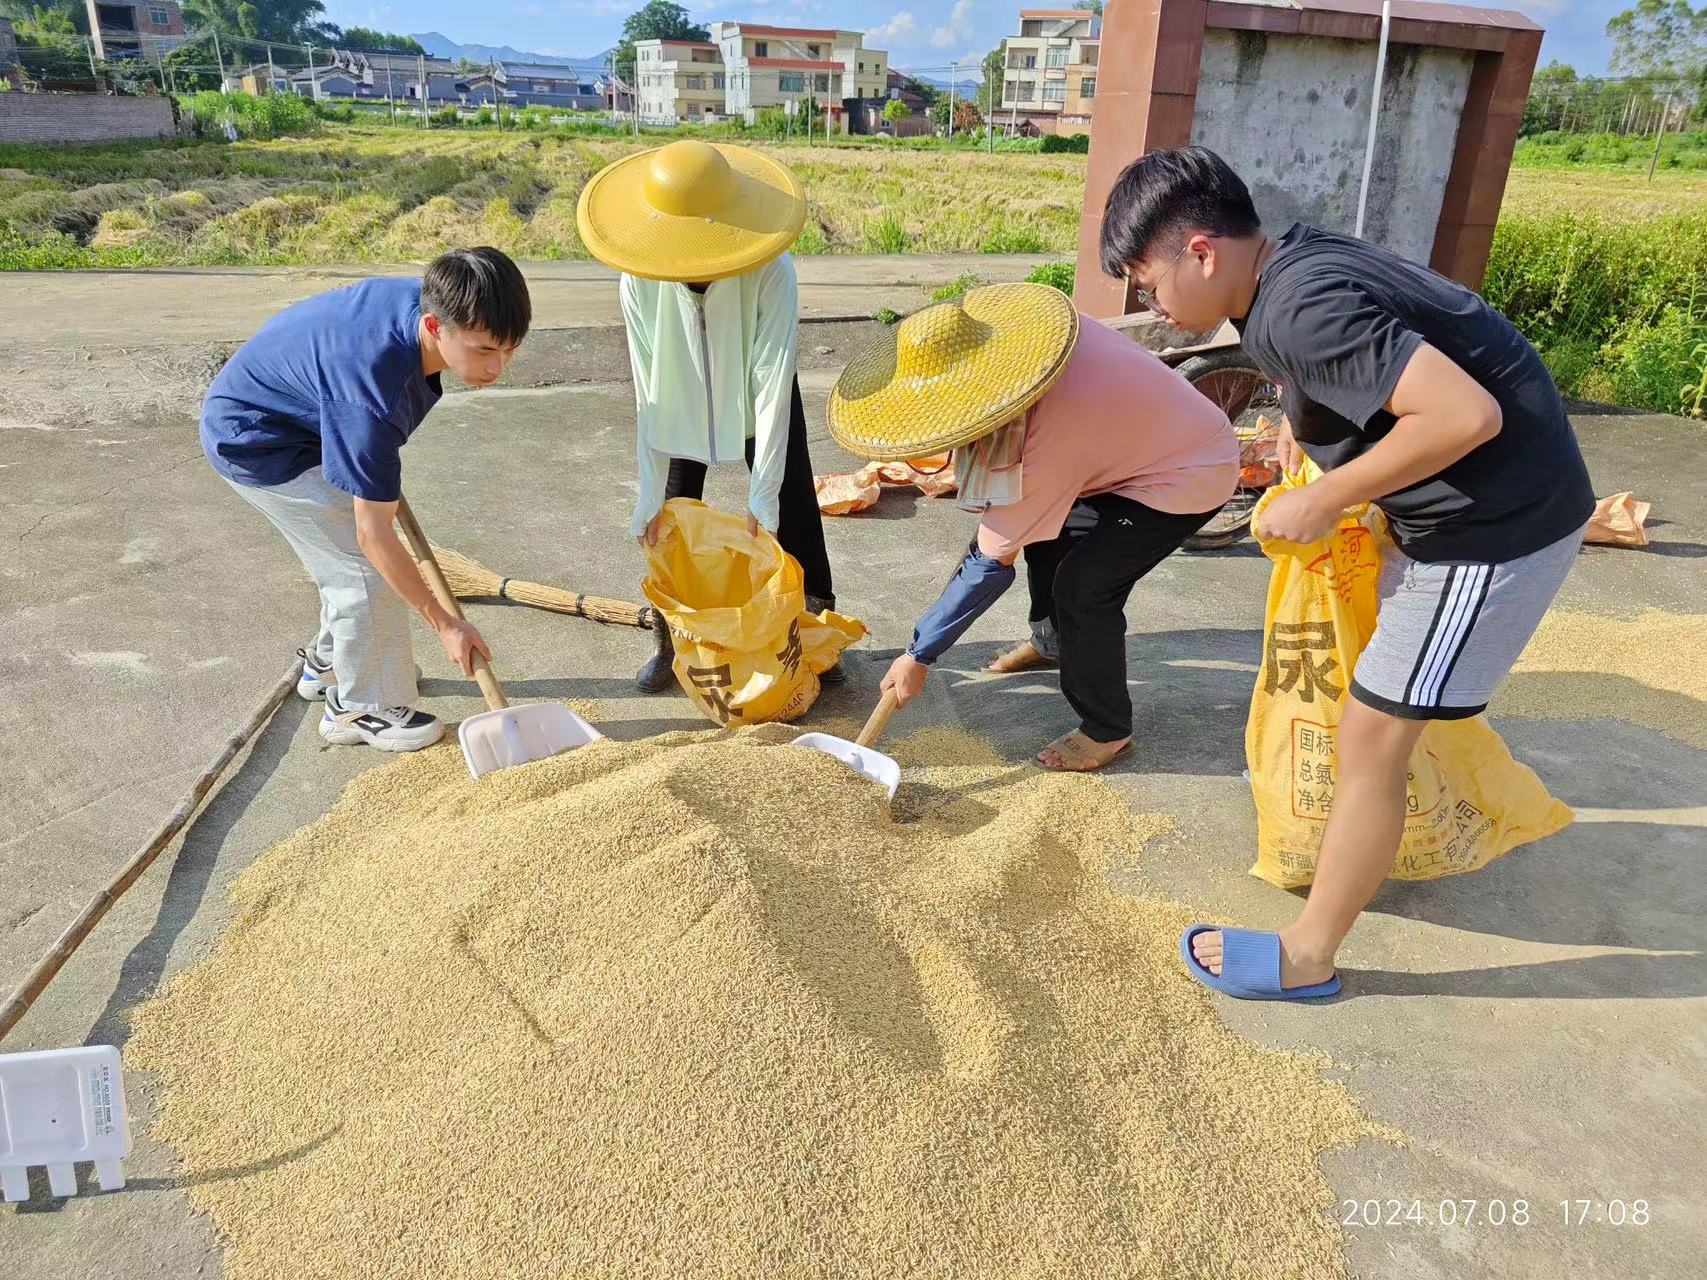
pixel 1081 580
pixel 800 525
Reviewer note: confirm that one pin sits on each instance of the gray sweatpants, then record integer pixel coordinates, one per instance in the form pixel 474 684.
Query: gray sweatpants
pixel 364 624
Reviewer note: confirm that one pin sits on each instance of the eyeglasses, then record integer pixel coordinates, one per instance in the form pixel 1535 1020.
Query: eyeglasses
pixel 1148 296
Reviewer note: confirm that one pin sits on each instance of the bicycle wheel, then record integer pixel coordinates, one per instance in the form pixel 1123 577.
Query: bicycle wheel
pixel 1230 380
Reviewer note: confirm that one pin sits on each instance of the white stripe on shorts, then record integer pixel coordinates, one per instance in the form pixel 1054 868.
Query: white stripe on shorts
pixel 1466 588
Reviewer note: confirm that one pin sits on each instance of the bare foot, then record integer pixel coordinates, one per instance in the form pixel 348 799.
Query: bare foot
pixel 1022 657
pixel 1296 968
pixel 1075 753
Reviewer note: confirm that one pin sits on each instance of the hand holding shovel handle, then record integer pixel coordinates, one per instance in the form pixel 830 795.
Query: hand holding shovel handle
pixel 423 553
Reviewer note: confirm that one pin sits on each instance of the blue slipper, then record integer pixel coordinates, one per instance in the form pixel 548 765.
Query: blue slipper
pixel 1250 966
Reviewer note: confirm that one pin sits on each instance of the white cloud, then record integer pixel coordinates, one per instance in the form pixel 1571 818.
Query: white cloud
pixel 902 29
pixel 959 27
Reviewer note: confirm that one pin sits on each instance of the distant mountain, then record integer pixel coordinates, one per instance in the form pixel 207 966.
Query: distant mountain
pixel 441 46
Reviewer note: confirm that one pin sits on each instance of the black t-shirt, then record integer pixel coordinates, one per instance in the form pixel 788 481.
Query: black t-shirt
pixel 1334 322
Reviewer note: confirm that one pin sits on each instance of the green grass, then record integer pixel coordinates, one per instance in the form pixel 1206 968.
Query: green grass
pixel 1616 307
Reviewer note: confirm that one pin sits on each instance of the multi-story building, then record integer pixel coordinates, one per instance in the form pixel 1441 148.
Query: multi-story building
pixel 677 80
pixel 1050 76
pixel 768 66
pixel 135 28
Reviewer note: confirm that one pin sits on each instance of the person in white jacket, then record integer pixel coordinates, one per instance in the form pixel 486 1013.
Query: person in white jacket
pixel 700 233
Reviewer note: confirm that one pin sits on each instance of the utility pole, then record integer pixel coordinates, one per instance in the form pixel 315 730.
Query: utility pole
pixel 313 80
pixel 953 85
pixel 422 63
pixel 89 48
pixel 1654 160
pixel 272 71
pixel 990 112
pixel 220 57
pixel 98 45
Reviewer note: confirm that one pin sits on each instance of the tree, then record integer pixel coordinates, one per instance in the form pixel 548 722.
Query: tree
pixel 967 117
pixel 370 39
pixel 659 20
pixel 1094 6
pixel 49 46
pixel 1660 38
pixel 283 21
pixel 895 111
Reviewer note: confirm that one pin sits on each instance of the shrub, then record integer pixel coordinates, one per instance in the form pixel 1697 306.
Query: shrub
pixel 1077 143
pixel 272 115
pixel 1059 274
pixel 484 116
pixel 1627 292
pixel 811 239
pixel 885 235
pixel 956 287
pixel 1006 239
pixel 884 315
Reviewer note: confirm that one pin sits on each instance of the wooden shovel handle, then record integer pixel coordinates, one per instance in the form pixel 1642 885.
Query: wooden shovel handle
pixel 879 720
pixel 422 550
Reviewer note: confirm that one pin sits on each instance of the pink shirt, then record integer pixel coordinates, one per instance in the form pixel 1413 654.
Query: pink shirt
pixel 1118 421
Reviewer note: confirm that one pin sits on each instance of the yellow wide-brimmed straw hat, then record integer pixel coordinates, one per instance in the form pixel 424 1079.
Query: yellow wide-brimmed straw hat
pixel 953 373
pixel 691 211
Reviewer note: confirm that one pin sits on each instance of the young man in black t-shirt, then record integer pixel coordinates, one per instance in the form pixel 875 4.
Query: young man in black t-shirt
pixel 1410 392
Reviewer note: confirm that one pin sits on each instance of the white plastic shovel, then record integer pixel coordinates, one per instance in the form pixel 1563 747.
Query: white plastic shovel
pixel 504 735
pixel 858 755
pixel 59 1106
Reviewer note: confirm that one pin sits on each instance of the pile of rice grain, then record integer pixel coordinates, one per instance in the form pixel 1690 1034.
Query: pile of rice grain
pixel 697 1007
pixel 1645 668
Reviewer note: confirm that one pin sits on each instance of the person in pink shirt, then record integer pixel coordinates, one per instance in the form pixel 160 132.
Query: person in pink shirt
pixel 1077 446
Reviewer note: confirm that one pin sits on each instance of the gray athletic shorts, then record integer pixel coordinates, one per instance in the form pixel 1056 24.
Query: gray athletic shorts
pixel 1447 635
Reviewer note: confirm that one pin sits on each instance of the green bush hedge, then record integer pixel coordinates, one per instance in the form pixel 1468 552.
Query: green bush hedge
pixel 1616 308
pixel 1075 143
pixel 272 115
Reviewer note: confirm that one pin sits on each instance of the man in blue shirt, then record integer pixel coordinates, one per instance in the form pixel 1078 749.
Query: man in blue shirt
pixel 307 422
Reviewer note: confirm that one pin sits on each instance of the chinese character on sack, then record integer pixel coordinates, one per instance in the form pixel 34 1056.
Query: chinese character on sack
pixel 1306 802
pixel 713 683
pixel 1324 775
pixel 1306 739
pixel 1325 802
pixel 1324 744
pixel 1468 812
pixel 1289 661
pixel 791 653
pixel 1304 772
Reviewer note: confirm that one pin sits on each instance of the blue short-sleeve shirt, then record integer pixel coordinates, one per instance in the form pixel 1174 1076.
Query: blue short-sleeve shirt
pixel 333 382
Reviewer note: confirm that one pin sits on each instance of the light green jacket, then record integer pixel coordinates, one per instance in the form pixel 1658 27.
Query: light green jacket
pixel 711 372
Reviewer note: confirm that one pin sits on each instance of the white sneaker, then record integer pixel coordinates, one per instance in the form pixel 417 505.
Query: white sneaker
pixel 393 729
pixel 316 677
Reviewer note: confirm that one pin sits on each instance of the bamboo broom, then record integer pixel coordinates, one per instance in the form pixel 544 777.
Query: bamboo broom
pixel 471 580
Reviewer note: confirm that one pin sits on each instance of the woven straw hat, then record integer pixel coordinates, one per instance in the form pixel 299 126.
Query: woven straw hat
pixel 691 211
pixel 953 373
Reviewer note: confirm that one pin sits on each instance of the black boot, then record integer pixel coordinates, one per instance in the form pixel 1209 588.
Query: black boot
pixel 836 674
pixel 658 674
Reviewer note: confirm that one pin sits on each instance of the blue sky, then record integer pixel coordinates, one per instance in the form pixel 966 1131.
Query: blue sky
pixel 919 34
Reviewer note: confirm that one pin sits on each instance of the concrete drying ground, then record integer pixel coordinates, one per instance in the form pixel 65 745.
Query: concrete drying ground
pixel 1538 1030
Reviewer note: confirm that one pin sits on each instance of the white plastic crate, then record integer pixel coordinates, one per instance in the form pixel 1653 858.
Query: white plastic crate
pixel 57 1107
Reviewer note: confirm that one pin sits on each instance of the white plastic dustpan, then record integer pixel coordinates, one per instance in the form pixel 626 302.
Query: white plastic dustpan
pixel 858 755
pixel 59 1106
pixel 508 736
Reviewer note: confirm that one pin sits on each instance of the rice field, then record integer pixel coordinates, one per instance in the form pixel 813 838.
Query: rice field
pixel 369 193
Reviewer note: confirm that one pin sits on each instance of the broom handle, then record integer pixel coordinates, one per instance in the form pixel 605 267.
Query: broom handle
pixel 422 550
pixel 35 982
pixel 879 721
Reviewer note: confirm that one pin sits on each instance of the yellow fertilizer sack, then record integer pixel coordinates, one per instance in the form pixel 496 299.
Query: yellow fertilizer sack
pixel 746 649
pixel 1468 801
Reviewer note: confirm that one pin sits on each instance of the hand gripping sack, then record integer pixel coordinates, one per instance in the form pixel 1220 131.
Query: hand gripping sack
pixel 1467 801
pixel 746 649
